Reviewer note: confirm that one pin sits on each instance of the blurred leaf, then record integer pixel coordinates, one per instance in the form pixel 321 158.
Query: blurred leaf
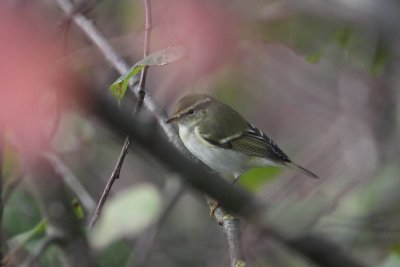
pixel 380 58
pixel 301 33
pixel 23 238
pixel 126 215
pixel 115 255
pixel 392 261
pixel 314 57
pixel 344 37
pixel 161 57
pixel 25 241
pixel 51 257
pixel 78 210
pixel 253 179
pixel 21 212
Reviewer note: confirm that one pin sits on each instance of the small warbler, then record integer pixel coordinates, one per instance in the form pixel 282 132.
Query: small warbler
pixel 222 139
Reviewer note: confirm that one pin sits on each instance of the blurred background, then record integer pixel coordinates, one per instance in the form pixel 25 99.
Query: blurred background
pixel 320 78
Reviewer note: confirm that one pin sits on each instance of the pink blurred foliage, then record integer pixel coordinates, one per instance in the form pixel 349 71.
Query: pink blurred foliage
pixel 207 31
pixel 30 76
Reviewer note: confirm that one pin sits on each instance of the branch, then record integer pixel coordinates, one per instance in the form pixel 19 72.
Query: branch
pixel 117 169
pixel 114 176
pixel 232 231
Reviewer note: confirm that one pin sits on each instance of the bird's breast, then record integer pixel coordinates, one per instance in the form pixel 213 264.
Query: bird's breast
pixel 224 161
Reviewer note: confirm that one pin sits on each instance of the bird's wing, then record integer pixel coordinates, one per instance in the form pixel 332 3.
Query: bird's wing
pixel 244 137
pixel 253 142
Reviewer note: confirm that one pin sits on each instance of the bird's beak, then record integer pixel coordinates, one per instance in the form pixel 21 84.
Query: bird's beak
pixel 174 117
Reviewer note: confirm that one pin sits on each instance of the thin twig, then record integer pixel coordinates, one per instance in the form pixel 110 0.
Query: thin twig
pixel 146 50
pixel 141 94
pixel 114 175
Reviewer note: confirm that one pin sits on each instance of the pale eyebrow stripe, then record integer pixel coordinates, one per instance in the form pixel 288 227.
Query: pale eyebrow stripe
pixel 198 103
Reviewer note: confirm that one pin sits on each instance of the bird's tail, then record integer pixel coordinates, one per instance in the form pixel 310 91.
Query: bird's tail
pixel 300 169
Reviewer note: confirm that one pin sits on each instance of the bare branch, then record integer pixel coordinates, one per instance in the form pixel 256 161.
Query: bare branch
pixel 114 176
pixel 116 172
pixel 232 231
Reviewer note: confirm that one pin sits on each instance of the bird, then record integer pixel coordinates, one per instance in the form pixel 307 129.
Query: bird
pixel 224 140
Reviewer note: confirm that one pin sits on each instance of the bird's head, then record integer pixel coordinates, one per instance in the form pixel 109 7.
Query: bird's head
pixel 191 110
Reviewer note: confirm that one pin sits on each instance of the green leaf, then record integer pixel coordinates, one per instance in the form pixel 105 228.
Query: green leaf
pixel 314 57
pixel 21 213
pixel 381 57
pixel 256 177
pixel 344 37
pixel 126 215
pixel 78 210
pixel 158 58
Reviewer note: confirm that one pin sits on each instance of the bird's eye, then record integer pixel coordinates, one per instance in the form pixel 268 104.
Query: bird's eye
pixel 191 111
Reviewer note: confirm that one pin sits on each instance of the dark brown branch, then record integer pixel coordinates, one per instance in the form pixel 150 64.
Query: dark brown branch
pixel 141 94
pixel 146 50
pixel 114 175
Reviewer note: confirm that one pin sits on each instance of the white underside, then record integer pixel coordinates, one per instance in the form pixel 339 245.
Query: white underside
pixel 227 162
